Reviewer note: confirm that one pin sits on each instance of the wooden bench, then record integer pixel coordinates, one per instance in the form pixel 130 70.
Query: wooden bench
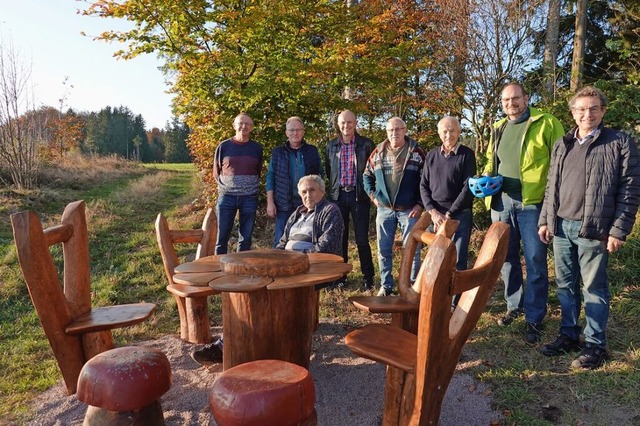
pixel 426 362
pixel 75 330
pixel 193 308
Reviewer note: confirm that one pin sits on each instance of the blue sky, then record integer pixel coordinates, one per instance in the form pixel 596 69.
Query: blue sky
pixel 47 35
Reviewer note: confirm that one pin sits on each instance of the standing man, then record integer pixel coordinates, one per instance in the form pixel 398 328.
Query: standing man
pixel 345 161
pixel 236 168
pixel 444 185
pixel 590 207
pixel 392 180
pixel 520 151
pixel 288 163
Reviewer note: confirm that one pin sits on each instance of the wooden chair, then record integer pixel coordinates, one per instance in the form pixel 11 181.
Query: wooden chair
pixel 404 309
pixel 75 330
pixel 430 357
pixel 193 308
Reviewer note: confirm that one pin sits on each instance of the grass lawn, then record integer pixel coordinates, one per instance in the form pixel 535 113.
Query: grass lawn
pixel 122 203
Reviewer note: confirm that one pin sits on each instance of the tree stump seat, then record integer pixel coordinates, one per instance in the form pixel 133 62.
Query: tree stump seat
pixel 264 392
pixel 123 386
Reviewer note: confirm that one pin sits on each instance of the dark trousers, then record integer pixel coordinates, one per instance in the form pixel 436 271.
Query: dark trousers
pixel 359 211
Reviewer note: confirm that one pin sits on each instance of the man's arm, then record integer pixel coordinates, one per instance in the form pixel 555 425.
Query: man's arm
pixel 627 194
pixel 332 228
pixel 465 196
pixel 369 179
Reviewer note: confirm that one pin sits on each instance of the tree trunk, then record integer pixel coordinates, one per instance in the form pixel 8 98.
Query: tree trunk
pixel 577 65
pixel 551 49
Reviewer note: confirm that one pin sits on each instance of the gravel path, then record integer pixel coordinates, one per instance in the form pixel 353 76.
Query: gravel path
pixel 349 389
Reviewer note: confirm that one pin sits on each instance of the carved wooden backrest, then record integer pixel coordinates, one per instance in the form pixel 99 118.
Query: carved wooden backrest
pixel 442 335
pixel 419 235
pixel 57 307
pixel 205 237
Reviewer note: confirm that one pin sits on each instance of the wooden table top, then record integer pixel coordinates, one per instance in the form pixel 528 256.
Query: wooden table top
pixel 252 270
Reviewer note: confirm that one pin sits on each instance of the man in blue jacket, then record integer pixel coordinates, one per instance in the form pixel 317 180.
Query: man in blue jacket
pixel 288 163
pixel 392 180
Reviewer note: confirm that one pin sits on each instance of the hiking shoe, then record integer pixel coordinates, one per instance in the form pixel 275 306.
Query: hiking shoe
pixel 385 291
pixel 592 357
pixel 210 354
pixel 509 317
pixel 532 334
pixel 562 345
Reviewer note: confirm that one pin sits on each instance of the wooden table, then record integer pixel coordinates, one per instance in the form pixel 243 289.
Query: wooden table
pixel 269 305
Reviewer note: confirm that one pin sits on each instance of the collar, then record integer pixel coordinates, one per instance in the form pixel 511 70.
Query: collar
pixel 524 117
pixel 353 140
pixel 592 135
pixel 453 151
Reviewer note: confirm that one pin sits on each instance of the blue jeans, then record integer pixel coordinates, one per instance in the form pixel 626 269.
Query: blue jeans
pixel 523 221
pixel 387 220
pixel 576 258
pixel 227 207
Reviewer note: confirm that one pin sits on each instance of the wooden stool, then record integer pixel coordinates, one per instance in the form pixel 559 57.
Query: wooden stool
pixel 123 386
pixel 264 392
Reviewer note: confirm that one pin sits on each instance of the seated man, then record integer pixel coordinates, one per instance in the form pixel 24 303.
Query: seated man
pixel 316 226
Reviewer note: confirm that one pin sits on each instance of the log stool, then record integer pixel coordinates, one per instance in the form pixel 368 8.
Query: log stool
pixel 264 392
pixel 123 386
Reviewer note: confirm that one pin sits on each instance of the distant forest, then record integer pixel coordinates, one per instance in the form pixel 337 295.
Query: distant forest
pixel 112 130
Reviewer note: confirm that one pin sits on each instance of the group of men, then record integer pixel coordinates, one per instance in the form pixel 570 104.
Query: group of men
pixel 581 188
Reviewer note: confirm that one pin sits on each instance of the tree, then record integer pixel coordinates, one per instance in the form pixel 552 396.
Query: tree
pixel 175 137
pixel 20 132
pixel 275 59
pixel 500 49
pixel 580 35
pixel 626 41
pixel 551 48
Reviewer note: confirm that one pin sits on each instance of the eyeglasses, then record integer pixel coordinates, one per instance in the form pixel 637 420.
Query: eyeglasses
pixel 512 99
pixel 295 130
pixel 396 130
pixel 593 109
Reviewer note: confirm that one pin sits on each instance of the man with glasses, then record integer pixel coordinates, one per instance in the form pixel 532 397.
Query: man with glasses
pixel 289 162
pixel 392 180
pixel 345 160
pixel 590 207
pixel 520 150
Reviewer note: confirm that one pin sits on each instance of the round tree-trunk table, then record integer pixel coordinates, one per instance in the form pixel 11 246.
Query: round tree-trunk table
pixel 269 304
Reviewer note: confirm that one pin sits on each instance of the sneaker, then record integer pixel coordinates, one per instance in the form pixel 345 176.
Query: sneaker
pixel 532 334
pixel 385 291
pixel 592 357
pixel 509 317
pixel 210 354
pixel 562 345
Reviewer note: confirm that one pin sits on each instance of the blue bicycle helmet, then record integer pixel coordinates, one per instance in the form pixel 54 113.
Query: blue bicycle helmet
pixel 483 186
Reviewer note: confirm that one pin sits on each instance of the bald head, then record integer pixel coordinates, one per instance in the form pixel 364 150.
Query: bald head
pixel 347 125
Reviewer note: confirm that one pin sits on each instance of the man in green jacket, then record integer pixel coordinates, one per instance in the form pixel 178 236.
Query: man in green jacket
pixel 520 151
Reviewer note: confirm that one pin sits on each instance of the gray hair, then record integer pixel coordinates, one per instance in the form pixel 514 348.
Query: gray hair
pixel 314 178
pixel 587 92
pixel 294 118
